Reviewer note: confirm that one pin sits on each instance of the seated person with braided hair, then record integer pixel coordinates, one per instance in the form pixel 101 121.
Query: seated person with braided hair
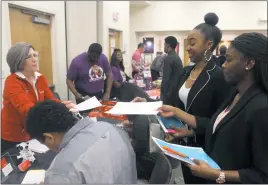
pixel 88 152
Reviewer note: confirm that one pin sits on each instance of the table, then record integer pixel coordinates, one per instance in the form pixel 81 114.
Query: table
pixel 42 161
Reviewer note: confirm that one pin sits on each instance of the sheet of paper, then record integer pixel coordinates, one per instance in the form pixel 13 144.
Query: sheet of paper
pixel 34 177
pixel 7 169
pixel 136 108
pixel 91 103
pixel 36 146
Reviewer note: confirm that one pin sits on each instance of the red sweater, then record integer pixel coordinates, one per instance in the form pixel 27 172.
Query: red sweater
pixel 18 97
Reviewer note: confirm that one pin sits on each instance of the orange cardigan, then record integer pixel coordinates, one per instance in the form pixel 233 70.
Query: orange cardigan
pixel 18 97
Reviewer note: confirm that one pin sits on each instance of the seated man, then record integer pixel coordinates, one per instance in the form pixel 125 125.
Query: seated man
pixel 89 152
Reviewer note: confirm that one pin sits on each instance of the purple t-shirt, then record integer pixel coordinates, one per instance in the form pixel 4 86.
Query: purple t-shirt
pixel 88 78
pixel 116 74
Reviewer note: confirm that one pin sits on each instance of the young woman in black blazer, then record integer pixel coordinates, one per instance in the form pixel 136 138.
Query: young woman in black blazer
pixel 237 136
pixel 202 87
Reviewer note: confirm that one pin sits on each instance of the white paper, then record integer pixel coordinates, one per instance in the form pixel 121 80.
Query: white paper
pixel 7 169
pixel 34 177
pixel 36 146
pixel 91 103
pixel 136 108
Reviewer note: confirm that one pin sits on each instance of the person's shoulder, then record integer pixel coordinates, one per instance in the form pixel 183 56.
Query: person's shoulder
pixel 11 78
pixel 80 57
pixel 260 101
pixel 216 72
pixel 114 68
pixel 103 58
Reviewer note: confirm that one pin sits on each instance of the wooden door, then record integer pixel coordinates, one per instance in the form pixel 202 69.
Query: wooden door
pixel 39 35
pixel 114 41
pixel 186 59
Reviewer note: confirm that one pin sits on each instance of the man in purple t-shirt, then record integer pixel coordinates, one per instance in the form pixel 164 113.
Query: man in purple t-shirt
pixel 86 74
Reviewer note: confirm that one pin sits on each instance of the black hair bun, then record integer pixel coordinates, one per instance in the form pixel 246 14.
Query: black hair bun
pixel 211 19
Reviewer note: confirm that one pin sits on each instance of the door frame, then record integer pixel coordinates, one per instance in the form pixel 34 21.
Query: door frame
pixel 120 41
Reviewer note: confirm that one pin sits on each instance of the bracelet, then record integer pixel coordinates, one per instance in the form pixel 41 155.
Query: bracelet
pixel 221 178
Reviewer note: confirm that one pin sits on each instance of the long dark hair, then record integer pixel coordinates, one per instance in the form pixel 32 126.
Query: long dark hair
pixel 254 46
pixel 114 60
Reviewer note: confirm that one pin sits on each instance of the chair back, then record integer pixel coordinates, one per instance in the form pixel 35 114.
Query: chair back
pixel 162 171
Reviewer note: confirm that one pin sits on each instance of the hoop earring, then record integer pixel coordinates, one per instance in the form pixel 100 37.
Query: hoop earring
pixel 210 55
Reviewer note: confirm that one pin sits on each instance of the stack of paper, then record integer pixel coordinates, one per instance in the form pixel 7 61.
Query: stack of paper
pixel 36 146
pixel 136 108
pixel 185 153
pixel 34 177
pixel 90 103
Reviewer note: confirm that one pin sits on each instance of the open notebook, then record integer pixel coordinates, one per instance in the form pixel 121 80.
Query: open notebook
pixel 185 153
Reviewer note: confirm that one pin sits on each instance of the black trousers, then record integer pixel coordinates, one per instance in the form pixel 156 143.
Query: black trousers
pixel 5 145
pixel 155 74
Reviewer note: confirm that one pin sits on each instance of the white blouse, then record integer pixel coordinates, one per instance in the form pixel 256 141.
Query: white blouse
pixel 183 94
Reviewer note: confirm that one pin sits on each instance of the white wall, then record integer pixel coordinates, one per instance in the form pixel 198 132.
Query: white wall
pixel 106 22
pixel 185 15
pixel 57 41
pixel 177 16
pixel 81 28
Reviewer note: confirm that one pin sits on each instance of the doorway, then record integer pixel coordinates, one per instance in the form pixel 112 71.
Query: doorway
pixel 114 41
pixel 23 29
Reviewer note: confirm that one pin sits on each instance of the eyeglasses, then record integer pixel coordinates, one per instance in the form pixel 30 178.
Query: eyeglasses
pixel 35 55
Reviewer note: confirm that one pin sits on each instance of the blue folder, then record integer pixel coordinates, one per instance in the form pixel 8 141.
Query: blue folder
pixel 191 153
pixel 170 122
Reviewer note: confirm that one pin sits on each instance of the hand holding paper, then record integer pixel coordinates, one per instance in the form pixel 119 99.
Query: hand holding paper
pixel 167 111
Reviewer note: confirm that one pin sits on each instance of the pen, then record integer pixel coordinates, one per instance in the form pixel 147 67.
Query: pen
pixel 177 153
pixel 174 152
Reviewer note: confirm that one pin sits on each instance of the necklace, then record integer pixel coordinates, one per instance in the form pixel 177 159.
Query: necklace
pixel 191 76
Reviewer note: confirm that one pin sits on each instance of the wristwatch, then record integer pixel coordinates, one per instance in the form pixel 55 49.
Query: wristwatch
pixel 221 178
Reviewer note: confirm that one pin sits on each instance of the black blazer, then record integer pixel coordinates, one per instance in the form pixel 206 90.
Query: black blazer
pixel 240 141
pixel 204 99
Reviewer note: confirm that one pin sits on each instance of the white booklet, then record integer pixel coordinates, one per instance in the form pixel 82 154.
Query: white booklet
pixel 136 108
pixel 34 177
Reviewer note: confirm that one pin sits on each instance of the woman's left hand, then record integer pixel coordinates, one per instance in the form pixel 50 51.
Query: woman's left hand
pixel 203 170
pixel 70 105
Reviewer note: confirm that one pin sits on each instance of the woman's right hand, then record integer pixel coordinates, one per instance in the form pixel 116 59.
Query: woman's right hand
pixel 139 99
pixel 167 111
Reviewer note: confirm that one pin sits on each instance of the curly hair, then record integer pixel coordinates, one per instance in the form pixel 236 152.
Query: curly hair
pixel 48 116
